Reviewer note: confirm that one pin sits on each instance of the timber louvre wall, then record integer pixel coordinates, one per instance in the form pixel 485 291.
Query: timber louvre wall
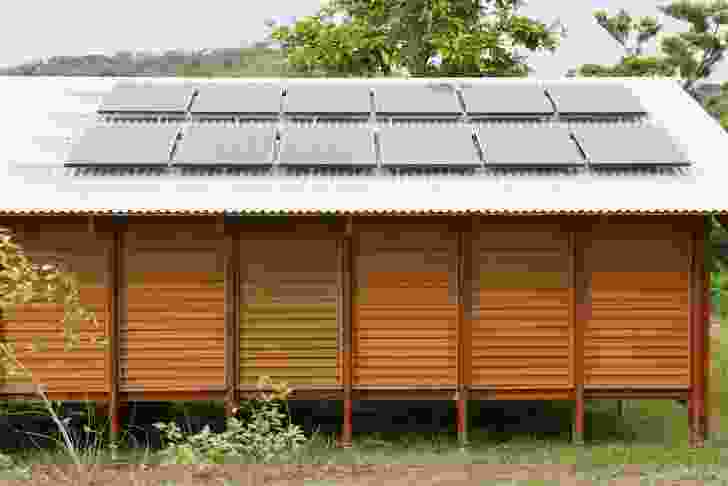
pixel 466 300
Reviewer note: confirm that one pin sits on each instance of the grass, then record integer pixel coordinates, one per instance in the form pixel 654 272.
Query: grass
pixel 652 435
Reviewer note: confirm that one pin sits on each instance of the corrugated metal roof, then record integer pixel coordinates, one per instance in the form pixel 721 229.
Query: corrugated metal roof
pixel 41 116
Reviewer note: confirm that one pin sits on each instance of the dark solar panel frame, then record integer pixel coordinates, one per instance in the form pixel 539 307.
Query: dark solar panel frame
pixel 140 145
pixel 500 100
pixel 330 102
pixel 226 146
pixel 428 147
pixel 327 147
pixel 251 100
pixel 416 102
pixel 594 100
pixel 637 147
pixel 529 147
pixel 144 98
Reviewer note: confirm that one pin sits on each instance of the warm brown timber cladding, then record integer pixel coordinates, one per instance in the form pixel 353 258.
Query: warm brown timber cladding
pixel 520 305
pixel 288 315
pixel 637 333
pixel 523 280
pixel 405 312
pixel 173 335
pixel 66 240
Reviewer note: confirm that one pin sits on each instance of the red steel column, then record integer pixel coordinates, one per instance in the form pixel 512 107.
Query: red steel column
pixel 346 261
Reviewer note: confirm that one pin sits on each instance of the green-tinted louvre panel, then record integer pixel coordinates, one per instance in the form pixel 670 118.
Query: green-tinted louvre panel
pixel 288 327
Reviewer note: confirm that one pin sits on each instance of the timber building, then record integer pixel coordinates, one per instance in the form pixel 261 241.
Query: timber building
pixel 454 239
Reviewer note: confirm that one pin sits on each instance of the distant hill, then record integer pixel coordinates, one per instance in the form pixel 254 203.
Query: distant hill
pixel 257 60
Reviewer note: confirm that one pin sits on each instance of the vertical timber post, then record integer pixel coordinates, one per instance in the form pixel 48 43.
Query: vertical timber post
pixel 698 337
pixel 346 292
pixel 232 316
pixel 707 302
pixel 462 330
pixel 118 308
pixel 578 292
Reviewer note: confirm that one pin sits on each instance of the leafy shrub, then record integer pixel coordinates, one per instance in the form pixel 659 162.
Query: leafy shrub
pixel 267 435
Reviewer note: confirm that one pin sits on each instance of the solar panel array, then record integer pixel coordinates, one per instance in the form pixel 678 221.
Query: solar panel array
pixel 389 125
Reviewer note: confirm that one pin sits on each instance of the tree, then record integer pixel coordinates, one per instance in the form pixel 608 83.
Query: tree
pixel 632 35
pixel 691 55
pixel 419 37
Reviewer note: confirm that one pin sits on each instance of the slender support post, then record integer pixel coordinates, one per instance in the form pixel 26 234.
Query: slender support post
pixel 463 329
pixel 620 408
pixel 232 317
pixel 579 284
pixel 117 308
pixel 699 322
pixel 346 286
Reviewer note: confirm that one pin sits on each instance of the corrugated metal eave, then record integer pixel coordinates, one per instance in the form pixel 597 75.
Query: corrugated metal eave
pixel 372 212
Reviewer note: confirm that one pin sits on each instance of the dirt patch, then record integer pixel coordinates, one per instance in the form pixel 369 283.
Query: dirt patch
pixel 340 475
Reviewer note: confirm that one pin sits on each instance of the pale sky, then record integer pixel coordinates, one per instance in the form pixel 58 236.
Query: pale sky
pixel 42 28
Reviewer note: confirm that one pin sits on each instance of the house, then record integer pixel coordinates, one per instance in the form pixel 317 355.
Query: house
pixel 465 239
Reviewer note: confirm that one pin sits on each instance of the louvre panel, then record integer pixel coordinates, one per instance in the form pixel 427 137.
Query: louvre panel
pixel 82 368
pixel 520 317
pixel 174 336
pixel 638 330
pixel 288 326
pixel 405 313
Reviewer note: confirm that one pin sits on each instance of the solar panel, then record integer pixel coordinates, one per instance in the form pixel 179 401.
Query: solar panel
pixel 594 99
pixel 225 145
pixel 501 99
pixel 647 146
pixel 428 146
pixel 123 146
pixel 322 146
pixel 255 99
pixel 529 147
pixel 328 100
pixel 158 98
pixel 418 101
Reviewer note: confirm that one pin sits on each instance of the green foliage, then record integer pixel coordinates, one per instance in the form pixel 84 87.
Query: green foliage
pixel 23 282
pixel 717 106
pixel 692 55
pixel 418 37
pixel 267 435
pixel 696 52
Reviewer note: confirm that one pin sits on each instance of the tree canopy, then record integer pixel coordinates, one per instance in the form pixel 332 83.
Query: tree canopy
pixel 691 55
pixel 415 37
